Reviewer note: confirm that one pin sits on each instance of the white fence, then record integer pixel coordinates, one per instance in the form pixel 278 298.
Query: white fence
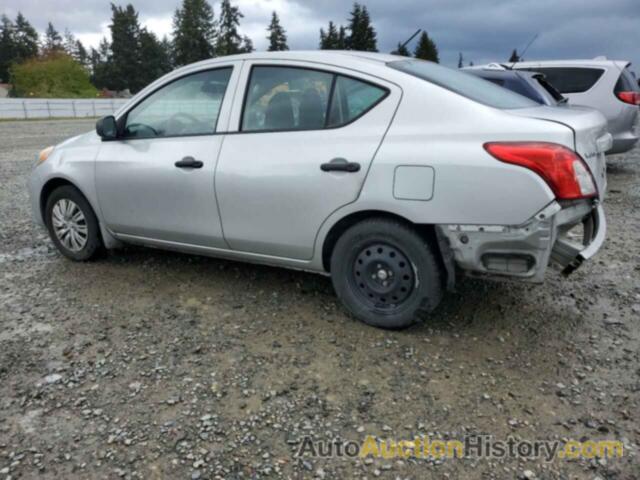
pixel 58 107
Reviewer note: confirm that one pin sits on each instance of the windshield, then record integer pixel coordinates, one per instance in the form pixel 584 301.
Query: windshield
pixel 469 86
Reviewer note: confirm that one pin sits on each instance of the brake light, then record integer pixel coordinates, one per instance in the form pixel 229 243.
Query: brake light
pixel 564 171
pixel 629 97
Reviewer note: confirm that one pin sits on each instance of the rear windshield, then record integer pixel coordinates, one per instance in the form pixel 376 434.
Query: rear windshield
pixel 469 86
pixel 570 79
pixel 515 83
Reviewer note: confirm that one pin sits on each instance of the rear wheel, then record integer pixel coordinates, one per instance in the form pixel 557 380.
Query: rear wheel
pixel 385 273
pixel 72 225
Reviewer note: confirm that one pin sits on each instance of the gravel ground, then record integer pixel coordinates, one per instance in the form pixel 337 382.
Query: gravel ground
pixel 147 364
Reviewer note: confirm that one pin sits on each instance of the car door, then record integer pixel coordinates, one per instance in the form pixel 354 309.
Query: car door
pixel 156 180
pixel 305 139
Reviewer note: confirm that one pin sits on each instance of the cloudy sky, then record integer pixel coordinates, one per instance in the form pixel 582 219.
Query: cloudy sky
pixel 483 30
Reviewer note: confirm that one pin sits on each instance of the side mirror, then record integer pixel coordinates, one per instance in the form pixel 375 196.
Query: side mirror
pixel 107 128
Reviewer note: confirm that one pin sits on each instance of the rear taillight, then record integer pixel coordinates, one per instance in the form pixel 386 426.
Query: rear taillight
pixel 563 170
pixel 629 97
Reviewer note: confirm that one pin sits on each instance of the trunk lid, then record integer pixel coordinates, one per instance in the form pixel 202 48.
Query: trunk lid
pixel 590 135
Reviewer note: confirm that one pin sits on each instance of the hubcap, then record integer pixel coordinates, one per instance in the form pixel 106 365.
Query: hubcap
pixel 69 225
pixel 383 275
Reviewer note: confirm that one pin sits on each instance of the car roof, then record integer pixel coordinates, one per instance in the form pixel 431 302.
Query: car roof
pixel 329 56
pixel 594 62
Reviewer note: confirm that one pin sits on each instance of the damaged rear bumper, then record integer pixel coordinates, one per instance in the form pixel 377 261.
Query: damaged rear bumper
pixel 525 251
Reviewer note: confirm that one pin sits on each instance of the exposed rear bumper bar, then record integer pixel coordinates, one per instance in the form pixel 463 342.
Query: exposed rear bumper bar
pixel 524 252
pixel 570 255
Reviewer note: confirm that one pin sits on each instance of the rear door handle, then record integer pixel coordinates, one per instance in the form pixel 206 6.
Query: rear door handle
pixel 340 165
pixel 189 162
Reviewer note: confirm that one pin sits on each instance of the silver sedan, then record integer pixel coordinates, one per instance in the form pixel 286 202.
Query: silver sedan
pixel 389 174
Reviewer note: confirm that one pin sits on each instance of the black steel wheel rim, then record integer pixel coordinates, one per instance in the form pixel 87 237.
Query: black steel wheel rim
pixel 382 276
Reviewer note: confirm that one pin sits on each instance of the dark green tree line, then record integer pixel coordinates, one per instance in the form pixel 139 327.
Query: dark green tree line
pixel 335 38
pixel 362 36
pixel 135 56
pixel 229 41
pixel 359 34
pixel 194 32
pixel 426 49
pixel 18 42
pixel 277 35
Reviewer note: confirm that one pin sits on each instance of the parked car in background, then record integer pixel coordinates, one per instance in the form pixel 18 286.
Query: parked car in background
pixel 606 85
pixel 389 174
pixel 532 85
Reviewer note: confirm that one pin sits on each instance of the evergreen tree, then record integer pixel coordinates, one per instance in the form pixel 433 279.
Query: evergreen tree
pixel 7 47
pixel 167 46
pixel 68 42
pixel 342 38
pixel 75 49
pixel 25 39
pixel 247 45
pixel 330 40
pixel 52 40
pixel 193 32
pixel 125 59
pixel 362 35
pixel 277 35
pixel 229 41
pixel 155 60
pixel 81 55
pixel 426 49
pixel 514 56
pixel 460 60
pixel 402 50
pixel 100 66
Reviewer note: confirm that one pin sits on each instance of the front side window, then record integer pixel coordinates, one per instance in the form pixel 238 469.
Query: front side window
pixel 292 98
pixel 187 106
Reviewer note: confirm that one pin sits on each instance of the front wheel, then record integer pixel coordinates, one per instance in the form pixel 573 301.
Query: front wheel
pixel 72 225
pixel 385 273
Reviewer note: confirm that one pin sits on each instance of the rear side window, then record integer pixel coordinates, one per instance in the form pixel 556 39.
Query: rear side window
pixel 627 82
pixel 468 86
pixel 293 98
pixel 282 98
pixel 351 99
pixel 570 79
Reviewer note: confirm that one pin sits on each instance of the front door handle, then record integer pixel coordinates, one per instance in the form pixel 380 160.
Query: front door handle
pixel 340 165
pixel 189 162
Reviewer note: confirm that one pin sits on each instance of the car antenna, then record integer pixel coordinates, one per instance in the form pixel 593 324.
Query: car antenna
pixel 524 50
pixel 409 40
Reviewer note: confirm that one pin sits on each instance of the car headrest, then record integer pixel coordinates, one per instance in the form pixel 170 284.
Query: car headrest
pixel 279 113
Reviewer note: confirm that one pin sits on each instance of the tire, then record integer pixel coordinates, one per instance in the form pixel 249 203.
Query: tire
pixel 82 241
pixel 376 251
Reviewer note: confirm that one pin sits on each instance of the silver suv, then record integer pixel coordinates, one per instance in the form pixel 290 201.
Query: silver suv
pixel 606 85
